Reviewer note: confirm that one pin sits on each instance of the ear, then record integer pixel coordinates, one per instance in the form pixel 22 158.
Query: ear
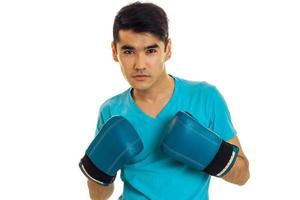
pixel 114 51
pixel 168 50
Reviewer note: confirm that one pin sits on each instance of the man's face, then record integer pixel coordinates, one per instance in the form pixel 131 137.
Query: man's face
pixel 142 58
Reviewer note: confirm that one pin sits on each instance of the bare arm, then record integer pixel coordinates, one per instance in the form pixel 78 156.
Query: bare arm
pixel 239 173
pixel 98 192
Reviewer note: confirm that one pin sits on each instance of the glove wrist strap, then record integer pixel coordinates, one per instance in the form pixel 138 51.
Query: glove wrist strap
pixel 223 161
pixel 93 173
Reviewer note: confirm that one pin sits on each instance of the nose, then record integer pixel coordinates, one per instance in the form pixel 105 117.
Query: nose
pixel 140 62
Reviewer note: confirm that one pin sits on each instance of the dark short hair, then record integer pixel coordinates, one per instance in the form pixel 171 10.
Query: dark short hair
pixel 142 17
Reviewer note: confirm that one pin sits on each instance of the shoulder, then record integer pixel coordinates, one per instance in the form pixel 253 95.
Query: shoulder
pixel 115 101
pixel 197 87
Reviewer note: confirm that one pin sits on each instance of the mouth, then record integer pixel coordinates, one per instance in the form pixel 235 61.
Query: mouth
pixel 140 77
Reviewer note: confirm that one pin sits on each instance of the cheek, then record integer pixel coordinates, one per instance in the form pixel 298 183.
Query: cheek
pixel 158 63
pixel 125 70
pixel 126 62
pixel 155 62
pixel 161 58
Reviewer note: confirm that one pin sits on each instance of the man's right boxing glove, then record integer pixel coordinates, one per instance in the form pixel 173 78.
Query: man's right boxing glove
pixel 114 146
pixel 190 142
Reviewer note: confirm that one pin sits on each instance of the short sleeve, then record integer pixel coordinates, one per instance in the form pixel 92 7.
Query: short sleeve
pixel 220 116
pixel 103 115
pixel 100 123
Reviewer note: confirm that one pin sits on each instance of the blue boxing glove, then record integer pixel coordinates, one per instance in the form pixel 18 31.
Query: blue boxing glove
pixel 188 141
pixel 114 146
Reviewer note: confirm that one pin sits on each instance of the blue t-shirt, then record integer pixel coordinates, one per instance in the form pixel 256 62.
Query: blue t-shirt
pixel 153 175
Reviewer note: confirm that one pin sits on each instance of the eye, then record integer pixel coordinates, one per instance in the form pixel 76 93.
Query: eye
pixel 151 51
pixel 128 52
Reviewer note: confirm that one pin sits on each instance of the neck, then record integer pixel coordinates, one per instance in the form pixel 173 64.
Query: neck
pixel 162 89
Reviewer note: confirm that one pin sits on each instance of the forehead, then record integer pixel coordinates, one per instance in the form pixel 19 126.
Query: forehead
pixel 138 40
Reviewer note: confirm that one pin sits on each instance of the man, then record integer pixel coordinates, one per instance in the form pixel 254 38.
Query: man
pixel 141 46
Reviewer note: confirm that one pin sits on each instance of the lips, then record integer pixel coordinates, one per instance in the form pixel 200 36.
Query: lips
pixel 140 77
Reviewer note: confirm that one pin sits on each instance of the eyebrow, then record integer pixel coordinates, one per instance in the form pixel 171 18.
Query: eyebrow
pixel 153 46
pixel 128 47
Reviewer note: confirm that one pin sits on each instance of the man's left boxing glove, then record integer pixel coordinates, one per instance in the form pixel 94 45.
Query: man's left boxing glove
pixel 114 146
pixel 188 141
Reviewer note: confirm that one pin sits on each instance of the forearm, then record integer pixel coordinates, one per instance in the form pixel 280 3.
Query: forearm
pixel 98 192
pixel 239 173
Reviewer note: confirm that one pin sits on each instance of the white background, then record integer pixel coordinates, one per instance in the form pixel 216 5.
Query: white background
pixel 56 70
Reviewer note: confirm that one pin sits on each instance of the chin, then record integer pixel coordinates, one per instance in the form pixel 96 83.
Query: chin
pixel 140 86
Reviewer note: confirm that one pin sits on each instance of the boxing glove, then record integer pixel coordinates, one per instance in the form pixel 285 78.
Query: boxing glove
pixel 187 140
pixel 114 146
